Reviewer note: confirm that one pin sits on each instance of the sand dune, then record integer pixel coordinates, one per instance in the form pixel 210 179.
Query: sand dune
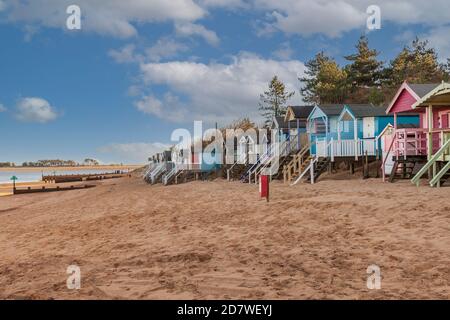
pixel 211 240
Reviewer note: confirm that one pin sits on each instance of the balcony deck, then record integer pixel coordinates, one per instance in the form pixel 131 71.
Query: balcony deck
pixel 346 148
pixel 414 142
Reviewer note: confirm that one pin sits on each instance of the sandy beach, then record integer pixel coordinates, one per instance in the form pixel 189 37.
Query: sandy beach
pixel 218 240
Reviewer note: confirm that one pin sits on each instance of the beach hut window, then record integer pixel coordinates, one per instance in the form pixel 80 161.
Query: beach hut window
pixel 319 126
pixel 346 126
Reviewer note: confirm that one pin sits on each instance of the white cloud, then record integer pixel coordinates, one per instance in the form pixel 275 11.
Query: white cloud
pixel 431 12
pixel 439 39
pixel 133 152
pixel 125 54
pixel 150 105
pixel 191 29
pixel 334 17
pixel 114 17
pixel 405 36
pixel 215 91
pixel 306 17
pixel 285 52
pixel 2 108
pixel 170 108
pixel 165 48
pixel 229 4
pixel 134 90
pixel 2 5
pixel 35 110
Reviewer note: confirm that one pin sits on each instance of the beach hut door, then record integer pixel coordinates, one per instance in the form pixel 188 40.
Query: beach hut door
pixel 369 127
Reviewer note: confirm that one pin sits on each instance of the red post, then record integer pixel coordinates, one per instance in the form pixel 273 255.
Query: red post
pixel 264 187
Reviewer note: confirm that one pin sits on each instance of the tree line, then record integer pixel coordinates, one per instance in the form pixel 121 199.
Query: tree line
pixel 365 79
pixel 52 163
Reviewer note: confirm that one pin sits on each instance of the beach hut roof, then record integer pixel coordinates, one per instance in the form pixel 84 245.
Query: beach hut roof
pixel 277 122
pixel 331 109
pixel 280 123
pixel 417 91
pixel 440 95
pixel 422 89
pixel 367 110
pixel 299 112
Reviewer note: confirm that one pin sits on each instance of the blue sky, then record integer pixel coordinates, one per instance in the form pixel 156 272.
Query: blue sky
pixel 137 70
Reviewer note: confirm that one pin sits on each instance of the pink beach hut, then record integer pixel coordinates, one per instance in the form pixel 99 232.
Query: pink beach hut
pixel 412 149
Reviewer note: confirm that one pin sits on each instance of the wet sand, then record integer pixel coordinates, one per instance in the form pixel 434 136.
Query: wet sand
pixel 218 240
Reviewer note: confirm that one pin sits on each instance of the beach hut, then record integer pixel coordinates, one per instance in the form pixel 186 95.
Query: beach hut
pixel 350 130
pixel 293 139
pixel 195 164
pixel 282 127
pixel 359 129
pixel 346 132
pixel 293 125
pixel 436 107
pixel 414 147
pixel 322 126
pixel 161 163
pixel 296 119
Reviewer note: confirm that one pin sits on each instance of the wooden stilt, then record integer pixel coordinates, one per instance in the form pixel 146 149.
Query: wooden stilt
pixel 366 166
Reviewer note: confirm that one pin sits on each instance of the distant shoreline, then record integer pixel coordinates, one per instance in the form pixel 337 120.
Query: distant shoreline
pixel 47 169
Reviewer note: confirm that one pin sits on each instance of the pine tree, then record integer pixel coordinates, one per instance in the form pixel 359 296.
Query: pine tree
pixel 446 69
pixel 364 71
pixel 273 102
pixel 325 81
pixel 418 64
pixel 309 87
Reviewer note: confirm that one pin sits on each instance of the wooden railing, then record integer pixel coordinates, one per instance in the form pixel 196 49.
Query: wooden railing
pixel 242 160
pixel 432 164
pixel 410 142
pixel 157 172
pixel 346 148
pixel 414 141
pixel 386 158
pixel 296 164
pixel 310 169
pixel 285 149
pixel 170 174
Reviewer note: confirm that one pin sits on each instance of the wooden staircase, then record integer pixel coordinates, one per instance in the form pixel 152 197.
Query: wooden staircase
pixel 438 160
pixel 235 172
pixel 317 165
pixel 320 167
pixel 283 162
pixel 402 170
pixel 296 165
pixel 264 164
pixel 446 176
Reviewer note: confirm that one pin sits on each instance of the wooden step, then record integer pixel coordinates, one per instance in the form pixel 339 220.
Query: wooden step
pixel 403 169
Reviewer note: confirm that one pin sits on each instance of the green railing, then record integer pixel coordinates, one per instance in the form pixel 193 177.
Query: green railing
pixel 432 162
pixel 437 178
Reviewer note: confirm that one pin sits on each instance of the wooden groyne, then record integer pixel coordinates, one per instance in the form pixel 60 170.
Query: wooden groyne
pixel 82 177
pixel 52 189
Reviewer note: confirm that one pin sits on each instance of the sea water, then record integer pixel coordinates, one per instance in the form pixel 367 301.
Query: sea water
pixel 35 176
